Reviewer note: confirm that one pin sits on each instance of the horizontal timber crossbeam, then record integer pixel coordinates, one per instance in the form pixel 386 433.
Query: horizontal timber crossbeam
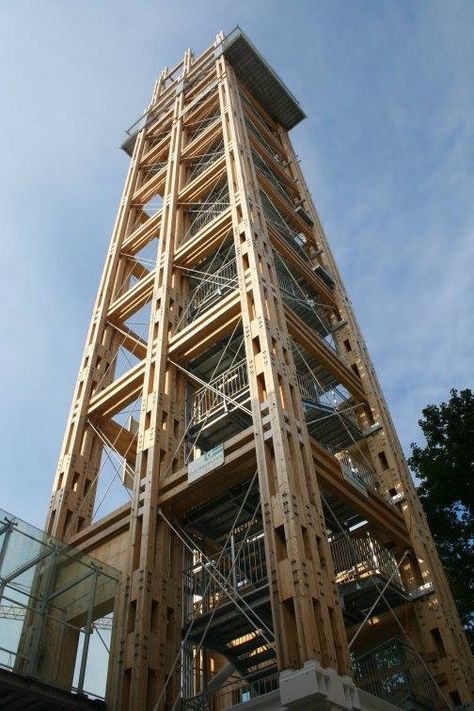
pixel 324 355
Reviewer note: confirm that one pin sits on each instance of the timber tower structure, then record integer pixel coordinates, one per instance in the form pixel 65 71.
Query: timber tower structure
pixel 272 545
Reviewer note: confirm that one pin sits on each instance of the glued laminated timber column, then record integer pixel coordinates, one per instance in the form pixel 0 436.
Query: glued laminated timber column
pixel 454 667
pixel 80 454
pixel 150 632
pixel 306 615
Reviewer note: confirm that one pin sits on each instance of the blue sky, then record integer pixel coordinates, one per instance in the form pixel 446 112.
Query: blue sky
pixel 387 148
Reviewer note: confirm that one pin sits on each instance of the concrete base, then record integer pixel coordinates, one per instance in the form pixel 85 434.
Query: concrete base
pixel 317 688
pixel 313 688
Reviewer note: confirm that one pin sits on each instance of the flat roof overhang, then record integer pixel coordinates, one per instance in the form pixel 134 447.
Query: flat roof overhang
pixel 256 75
pixel 260 79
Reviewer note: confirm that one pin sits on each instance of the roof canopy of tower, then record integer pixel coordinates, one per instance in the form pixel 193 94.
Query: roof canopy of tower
pixel 260 79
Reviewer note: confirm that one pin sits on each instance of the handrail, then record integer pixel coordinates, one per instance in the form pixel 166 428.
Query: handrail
pixel 392 671
pixel 248 570
pixel 357 557
pixel 214 284
pixel 232 383
pixel 357 468
pixel 206 210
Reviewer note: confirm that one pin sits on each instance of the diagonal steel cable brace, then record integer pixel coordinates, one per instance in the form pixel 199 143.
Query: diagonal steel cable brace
pixel 206 589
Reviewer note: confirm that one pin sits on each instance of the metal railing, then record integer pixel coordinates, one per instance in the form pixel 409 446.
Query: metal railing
pixel 231 384
pixel 394 672
pixel 355 468
pixel 308 387
pixel 288 285
pixel 196 128
pixel 213 286
pixel 205 160
pixel 242 691
pixel 254 110
pixel 149 117
pixel 291 236
pixel 357 557
pixel 341 403
pixel 234 691
pixel 201 213
pixel 223 393
pixel 152 170
pixel 299 298
pixel 156 139
pixel 203 582
pixel 277 156
pixel 271 176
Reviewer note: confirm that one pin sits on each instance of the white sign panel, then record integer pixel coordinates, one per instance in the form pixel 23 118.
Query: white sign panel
pixel 206 463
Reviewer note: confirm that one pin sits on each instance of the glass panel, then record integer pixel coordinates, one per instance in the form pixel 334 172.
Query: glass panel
pixel 51 596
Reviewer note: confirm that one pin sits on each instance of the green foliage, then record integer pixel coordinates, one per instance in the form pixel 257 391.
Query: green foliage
pixel 445 468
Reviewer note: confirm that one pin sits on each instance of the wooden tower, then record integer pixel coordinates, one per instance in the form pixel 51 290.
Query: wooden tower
pixel 271 518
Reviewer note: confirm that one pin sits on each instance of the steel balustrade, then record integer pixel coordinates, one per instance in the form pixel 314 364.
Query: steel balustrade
pixel 233 383
pixel 197 128
pixel 272 177
pixel 213 286
pixel 395 673
pixel 205 211
pixel 358 468
pixel 204 161
pixel 247 571
pixel 356 557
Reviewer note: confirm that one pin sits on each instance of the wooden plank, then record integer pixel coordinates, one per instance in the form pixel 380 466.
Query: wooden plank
pixel 122 440
pixel 150 187
pixel 142 235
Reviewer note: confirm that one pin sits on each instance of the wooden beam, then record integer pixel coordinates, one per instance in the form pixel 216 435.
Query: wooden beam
pixel 208 329
pixel 132 301
pixel 109 401
pixel 142 235
pixel 203 140
pixel 205 242
pixel 122 440
pixel 324 355
pixel 129 340
pixel 150 187
pixel 304 268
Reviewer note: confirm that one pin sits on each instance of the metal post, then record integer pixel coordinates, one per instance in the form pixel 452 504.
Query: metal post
pixel 88 631
pixel 232 558
pixel 8 528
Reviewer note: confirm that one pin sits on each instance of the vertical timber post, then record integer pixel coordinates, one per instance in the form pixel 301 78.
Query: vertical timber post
pixel 152 620
pixel 307 618
pixel 205 124
pixel 439 612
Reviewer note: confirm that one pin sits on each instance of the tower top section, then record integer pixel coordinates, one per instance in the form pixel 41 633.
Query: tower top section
pixel 251 69
pixel 260 79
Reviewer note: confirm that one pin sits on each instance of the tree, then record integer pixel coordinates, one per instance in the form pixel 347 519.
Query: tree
pixel 445 468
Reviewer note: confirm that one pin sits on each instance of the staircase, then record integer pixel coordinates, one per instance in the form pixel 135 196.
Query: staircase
pixel 235 622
